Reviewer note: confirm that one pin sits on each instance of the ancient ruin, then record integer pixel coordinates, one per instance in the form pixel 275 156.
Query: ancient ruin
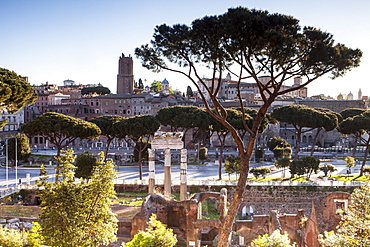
pixel 319 212
pixel 168 141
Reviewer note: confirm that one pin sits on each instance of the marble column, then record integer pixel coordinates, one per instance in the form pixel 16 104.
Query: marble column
pixel 183 172
pixel 167 172
pixel 151 183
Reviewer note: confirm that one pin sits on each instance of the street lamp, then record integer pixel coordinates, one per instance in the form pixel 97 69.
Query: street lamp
pixel 16 158
pixel 6 162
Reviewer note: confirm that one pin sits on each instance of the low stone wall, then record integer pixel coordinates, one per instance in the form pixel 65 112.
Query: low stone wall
pixel 263 199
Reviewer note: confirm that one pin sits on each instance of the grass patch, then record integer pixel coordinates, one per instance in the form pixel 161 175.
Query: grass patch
pixel 137 198
pixel 128 214
pixel 19 211
pixel 350 177
pixel 132 199
pixel 40 156
pixel 209 211
pixel 325 160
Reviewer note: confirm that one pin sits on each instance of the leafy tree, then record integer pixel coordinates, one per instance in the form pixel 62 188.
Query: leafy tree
pixel 352 112
pixel 276 239
pixel 15 93
pixel 330 121
pixel 203 153
pixel 185 118
pixel 138 131
pixel 260 171
pixel 297 167
pixel 306 165
pixel 21 238
pixel 280 147
pixel 235 118
pixel 79 214
pixel 312 164
pixel 156 86
pixel 23 147
pixel 282 163
pixel 305 119
pixel 12 238
pixel 358 125
pixel 144 154
pixel 141 85
pixel 232 164
pixel 248 120
pixel 106 124
pixel 98 90
pixel 366 170
pixel 282 152
pixel 350 162
pixel 328 169
pixel 258 153
pixel 85 165
pixel 189 92
pixel 248 44
pixel 354 229
pixel 156 235
pixel 276 141
pixel 34 238
pixel 61 130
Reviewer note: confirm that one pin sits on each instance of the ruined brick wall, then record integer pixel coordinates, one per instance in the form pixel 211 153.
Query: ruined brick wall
pixel 285 199
pixel 326 210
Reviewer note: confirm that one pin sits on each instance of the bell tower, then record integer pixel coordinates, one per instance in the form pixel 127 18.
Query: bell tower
pixel 125 77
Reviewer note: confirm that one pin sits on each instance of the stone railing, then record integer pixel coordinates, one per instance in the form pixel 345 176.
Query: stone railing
pixel 251 182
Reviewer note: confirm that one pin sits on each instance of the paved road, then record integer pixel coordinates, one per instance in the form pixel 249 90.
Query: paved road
pixel 124 172
pixel 203 172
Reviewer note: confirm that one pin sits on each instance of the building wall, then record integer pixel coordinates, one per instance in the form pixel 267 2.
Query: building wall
pixel 336 105
pixel 13 125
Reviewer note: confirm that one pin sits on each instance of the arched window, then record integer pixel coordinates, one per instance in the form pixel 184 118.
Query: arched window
pixel 304 139
pixel 310 139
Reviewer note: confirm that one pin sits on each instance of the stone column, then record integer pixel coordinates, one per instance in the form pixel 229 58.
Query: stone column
pixel 183 172
pixel 223 204
pixel 151 183
pixel 167 172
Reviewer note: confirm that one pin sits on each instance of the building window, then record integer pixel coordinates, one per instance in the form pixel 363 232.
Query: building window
pixel 341 206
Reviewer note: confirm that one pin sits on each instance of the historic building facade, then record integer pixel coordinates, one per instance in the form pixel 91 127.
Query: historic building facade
pixel 249 91
pixel 125 77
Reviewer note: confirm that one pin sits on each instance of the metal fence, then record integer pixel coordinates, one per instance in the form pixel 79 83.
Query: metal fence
pixel 10 190
pixel 251 182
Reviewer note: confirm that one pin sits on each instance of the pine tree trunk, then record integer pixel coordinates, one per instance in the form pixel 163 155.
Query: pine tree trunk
pixel 314 141
pixel 109 141
pixel 228 221
pixel 57 169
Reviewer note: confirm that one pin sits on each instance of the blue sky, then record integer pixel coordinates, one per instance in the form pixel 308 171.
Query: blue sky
pixel 82 40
